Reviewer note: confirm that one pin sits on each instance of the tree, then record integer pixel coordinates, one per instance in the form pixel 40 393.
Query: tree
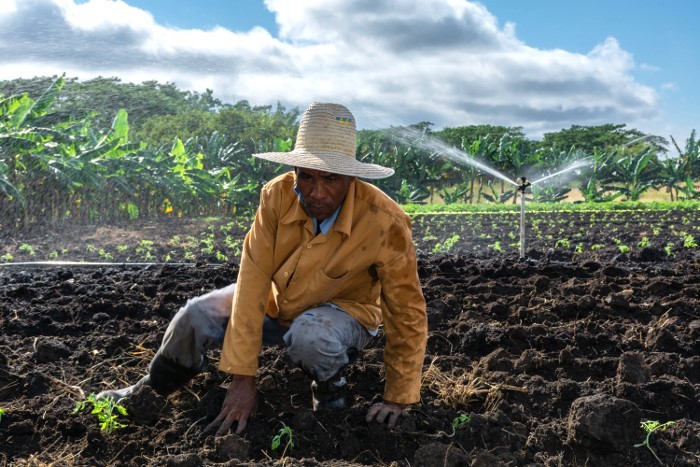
pixel 600 137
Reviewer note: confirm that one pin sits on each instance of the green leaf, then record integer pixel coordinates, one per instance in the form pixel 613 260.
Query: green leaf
pixel 120 126
pixel 49 96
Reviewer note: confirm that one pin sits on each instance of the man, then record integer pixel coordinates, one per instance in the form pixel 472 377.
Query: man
pixel 328 259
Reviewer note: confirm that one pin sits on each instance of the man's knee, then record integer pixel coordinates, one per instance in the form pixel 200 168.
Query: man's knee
pixel 315 346
pixel 198 326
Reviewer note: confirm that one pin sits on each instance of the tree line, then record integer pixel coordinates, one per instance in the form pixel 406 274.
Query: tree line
pixel 106 151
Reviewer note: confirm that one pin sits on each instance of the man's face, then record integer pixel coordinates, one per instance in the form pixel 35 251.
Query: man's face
pixel 322 192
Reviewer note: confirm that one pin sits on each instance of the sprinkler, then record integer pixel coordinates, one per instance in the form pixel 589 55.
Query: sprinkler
pixel 436 147
pixel 523 183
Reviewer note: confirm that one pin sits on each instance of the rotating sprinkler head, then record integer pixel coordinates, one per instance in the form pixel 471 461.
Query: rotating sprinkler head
pixel 523 183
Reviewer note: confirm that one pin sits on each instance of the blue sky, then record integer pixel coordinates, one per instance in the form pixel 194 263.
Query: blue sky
pixel 543 65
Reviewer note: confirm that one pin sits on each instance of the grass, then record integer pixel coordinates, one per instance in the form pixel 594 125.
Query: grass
pixel 416 209
pixel 456 390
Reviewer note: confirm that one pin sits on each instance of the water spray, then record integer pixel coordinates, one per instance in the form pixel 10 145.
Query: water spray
pixel 412 136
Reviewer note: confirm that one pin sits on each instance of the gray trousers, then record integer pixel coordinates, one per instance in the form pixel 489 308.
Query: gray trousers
pixel 321 340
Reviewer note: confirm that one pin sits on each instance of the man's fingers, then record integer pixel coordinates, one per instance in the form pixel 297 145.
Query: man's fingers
pixel 393 418
pixel 372 412
pixel 241 425
pixel 381 415
pixel 380 411
pixel 223 429
pixel 213 424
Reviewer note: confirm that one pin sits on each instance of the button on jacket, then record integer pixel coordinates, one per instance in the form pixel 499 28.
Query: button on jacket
pixel 365 264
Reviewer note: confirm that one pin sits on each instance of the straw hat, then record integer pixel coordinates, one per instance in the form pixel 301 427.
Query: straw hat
pixel 327 141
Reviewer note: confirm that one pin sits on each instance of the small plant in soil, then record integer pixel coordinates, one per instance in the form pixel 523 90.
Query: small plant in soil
pixel 144 250
pixel 285 432
pixel 689 241
pixel 447 245
pixel 27 248
pixel 621 246
pixel 644 242
pixel 669 248
pixel 105 254
pixel 105 410
pixel 650 426
pixel 461 420
pixel 2 412
pixel 563 243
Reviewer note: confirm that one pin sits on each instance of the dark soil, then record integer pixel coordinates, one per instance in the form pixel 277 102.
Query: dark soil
pixel 555 360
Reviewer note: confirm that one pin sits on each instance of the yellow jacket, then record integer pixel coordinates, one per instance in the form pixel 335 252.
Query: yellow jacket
pixel 365 264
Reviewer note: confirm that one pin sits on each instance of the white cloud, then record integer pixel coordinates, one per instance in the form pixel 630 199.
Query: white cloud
pixel 392 62
pixel 7 6
pixel 669 86
pixel 649 67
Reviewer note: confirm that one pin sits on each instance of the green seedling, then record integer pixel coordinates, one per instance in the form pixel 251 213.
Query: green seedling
pixel 285 431
pixel 144 250
pixel 105 254
pixel 457 422
pixel 650 426
pixel 104 409
pixel 463 419
pixel 644 242
pixel 689 241
pixel 26 248
pixel 563 243
pixel 2 412
pixel 669 248
pixel 447 245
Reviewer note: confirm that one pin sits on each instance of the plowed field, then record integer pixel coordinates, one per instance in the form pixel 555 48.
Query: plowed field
pixel 553 360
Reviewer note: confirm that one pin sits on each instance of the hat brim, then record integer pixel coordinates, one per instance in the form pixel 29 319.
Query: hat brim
pixel 328 162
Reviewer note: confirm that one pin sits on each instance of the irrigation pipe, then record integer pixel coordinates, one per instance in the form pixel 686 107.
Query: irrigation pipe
pixel 100 264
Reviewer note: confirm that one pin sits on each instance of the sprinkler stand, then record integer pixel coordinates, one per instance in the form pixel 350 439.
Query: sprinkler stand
pixel 523 183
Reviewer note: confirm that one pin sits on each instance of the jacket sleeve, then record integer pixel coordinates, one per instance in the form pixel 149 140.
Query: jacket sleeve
pixel 404 316
pixel 243 339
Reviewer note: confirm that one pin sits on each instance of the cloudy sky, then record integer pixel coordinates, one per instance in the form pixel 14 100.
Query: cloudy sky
pixel 543 65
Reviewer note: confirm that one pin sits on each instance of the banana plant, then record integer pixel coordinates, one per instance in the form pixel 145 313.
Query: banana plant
pixel 598 186
pixel 672 175
pixel 633 179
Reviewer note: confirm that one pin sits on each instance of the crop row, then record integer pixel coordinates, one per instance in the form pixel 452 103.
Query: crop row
pixel 55 169
pixel 589 232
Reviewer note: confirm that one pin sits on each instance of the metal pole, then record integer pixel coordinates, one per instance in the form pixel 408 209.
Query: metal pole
pixel 522 224
pixel 523 183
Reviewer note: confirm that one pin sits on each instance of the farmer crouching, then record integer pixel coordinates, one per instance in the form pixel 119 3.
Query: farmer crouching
pixel 327 260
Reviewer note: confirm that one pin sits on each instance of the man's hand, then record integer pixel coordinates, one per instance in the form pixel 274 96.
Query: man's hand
pixel 380 410
pixel 239 404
